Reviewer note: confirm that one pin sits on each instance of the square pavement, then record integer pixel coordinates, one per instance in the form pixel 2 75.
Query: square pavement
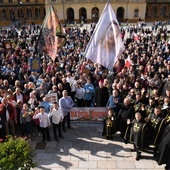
pixel 83 148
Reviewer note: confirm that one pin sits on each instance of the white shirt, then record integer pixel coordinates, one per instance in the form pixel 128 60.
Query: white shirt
pixel 7 115
pixel 72 82
pixel 19 97
pixel 43 118
pixel 79 93
pixel 57 115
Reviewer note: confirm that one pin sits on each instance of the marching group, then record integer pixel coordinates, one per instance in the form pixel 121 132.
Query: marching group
pixel 137 95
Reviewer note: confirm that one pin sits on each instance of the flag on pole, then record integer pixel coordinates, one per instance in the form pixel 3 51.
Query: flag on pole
pixel 105 45
pixel 127 62
pixel 52 35
pixel 136 37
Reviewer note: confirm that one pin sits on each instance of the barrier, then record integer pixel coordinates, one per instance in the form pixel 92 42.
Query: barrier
pixel 88 113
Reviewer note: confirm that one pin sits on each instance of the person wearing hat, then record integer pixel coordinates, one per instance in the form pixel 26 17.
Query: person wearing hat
pixel 44 123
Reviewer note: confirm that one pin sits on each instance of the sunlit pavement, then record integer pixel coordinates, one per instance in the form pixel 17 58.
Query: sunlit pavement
pixel 84 148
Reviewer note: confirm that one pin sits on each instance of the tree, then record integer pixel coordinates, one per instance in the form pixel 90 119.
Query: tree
pixel 16 153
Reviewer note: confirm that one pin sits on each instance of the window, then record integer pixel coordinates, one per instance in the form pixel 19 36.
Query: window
pixel 136 13
pixel 29 13
pixel 4 15
pixel 154 10
pixel 163 11
pixel 37 12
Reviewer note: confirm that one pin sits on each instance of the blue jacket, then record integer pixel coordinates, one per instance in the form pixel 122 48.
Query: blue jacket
pixel 88 91
pixel 111 103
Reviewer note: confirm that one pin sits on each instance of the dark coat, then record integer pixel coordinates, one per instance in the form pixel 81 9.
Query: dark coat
pixel 139 134
pixel 164 147
pixel 101 96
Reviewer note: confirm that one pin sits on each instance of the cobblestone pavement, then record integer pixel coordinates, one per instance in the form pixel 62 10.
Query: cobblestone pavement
pixel 83 148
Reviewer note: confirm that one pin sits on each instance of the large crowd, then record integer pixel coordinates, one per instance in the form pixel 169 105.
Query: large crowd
pixel 142 86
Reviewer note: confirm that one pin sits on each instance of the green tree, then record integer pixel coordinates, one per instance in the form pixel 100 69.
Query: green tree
pixel 15 154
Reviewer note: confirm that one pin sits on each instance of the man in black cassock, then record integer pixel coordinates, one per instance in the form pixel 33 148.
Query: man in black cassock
pixel 138 134
pixel 164 148
pixel 109 125
pixel 157 124
pixel 126 112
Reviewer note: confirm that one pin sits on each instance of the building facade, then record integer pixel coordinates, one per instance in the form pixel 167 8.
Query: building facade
pixel 71 11
pixel 18 12
pixel 158 10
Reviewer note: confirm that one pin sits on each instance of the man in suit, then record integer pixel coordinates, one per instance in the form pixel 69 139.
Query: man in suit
pixel 66 103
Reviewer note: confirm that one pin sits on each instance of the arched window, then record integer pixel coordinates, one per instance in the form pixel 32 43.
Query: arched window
pixel 29 13
pixel 4 14
pixel 164 11
pixel 120 14
pixel 95 14
pixel 37 12
pixel 136 13
pixel 20 13
pixel 70 15
pixel 83 14
pixel 11 13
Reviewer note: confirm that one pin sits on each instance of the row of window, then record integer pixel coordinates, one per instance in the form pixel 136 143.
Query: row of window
pixel 19 13
pixel 29 13
pixel 154 11
pixel 19 1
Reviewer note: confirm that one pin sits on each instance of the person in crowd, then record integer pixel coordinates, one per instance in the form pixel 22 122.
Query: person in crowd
pixel 54 92
pixel 101 95
pixel 88 93
pixel 2 128
pixel 36 122
pixel 44 123
pixel 20 127
pixel 70 79
pixel 126 113
pixel 46 104
pixel 7 110
pixel 57 117
pixel 27 114
pixel 138 134
pixel 112 103
pixel 79 95
pixel 164 148
pixel 66 103
pixel 109 126
pixel 157 124
pixel 33 102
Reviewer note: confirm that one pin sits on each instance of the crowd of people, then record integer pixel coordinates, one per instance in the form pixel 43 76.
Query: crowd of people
pixel 137 91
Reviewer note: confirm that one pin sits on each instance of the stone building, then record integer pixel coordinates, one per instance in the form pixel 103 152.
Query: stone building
pixel 27 11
